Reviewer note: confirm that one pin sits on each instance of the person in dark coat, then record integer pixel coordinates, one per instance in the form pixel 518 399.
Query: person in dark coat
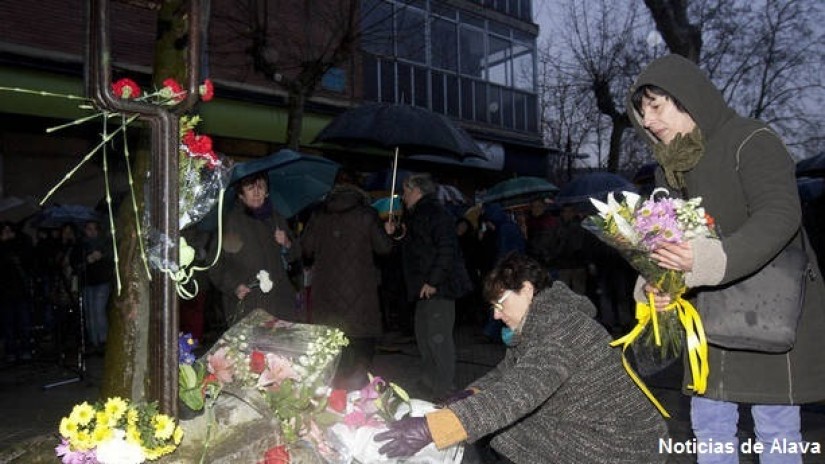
pixel 93 261
pixel 340 243
pixel 745 177
pixel 16 273
pixel 256 238
pixel 435 277
pixel 560 395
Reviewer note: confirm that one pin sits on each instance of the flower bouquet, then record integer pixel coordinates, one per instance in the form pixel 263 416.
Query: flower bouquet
pixel 635 228
pixel 116 431
pixel 366 413
pixel 268 379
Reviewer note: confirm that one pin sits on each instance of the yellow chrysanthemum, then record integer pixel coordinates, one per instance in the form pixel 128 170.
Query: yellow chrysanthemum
pixel 101 433
pixel 178 435
pixel 116 407
pixel 83 441
pixel 68 427
pixel 164 426
pixel 82 413
pixel 132 416
pixel 101 419
pixel 133 434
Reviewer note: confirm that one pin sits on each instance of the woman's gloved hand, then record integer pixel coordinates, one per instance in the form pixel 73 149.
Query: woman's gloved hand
pixel 407 436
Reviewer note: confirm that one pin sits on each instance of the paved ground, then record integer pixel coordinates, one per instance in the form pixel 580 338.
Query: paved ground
pixel 28 409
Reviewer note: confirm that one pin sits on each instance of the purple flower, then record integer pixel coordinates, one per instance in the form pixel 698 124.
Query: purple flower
pixel 186 348
pixel 64 451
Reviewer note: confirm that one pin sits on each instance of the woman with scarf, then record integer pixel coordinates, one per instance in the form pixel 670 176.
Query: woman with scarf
pixel 560 394
pixel 256 238
pixel 745 177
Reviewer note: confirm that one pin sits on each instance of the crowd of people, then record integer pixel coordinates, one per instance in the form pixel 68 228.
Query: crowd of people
pixel 537 283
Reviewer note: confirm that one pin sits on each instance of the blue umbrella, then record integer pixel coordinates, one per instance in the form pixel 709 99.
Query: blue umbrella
pixel 382 205
pixel 813 166
pixel 593 185
pixel 295 180
pixel 518 187
pixel 57 215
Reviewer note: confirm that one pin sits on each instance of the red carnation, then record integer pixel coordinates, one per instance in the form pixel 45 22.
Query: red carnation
pixel 197 144
pixel 126 88
pixel 257 362
pixel 207 90
pixel 276 455
pixel 338 400
pixel 175 89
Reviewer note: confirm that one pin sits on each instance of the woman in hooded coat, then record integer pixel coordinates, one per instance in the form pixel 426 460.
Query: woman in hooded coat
pixel 745 177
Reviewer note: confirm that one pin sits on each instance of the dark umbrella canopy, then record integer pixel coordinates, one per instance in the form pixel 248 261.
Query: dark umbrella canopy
pixel 519 187
pixel 813 166
pixel 593 185
pixel 295 180
pixel 411 129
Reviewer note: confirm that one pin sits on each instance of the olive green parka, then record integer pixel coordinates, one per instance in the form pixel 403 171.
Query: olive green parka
pixel 745 178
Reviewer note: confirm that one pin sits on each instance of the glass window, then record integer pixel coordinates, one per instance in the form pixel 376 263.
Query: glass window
pixel 499 28
pixel 494 105
pixel 405 93
pixel 532 114
pixel 334 79
pixel 507 108
pixel 420 87
pixel 467 99
pixel 443 10
pixel 443 45
pixel 499 66
pixel 376 27
pixel 471 45
pixel 480 101
pixel 387 81
pixel 412 41
pixel 369 67
pixel 524 67
pixel 451 94
pixel 525 10
pixel 520 109
pixel 439 101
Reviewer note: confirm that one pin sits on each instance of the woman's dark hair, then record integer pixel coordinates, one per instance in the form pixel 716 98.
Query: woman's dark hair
pixel 652 91
pixel 251 179
pixel 511 272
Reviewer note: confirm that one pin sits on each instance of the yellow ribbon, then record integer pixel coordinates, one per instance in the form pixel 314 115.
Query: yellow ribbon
pixel 697 345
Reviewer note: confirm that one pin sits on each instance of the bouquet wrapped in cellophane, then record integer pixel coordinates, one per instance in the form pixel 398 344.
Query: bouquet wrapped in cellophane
pixel 636 227
pixel 281 372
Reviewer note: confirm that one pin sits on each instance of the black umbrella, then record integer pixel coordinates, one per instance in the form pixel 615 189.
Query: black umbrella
pixel 410 129
pixel 813 166
pixel 592 185
pixel 57 215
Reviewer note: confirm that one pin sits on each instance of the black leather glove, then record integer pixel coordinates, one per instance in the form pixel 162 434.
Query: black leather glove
pixel 407 436
pixel 457 396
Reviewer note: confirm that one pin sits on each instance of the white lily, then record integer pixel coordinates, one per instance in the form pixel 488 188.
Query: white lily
pixel 626 230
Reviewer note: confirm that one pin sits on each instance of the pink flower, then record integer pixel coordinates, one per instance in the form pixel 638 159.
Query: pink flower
pixel 278 369
pixel 64 451
pixel 357 419
pixel 126 88
pixel 207 90
pixel 220 365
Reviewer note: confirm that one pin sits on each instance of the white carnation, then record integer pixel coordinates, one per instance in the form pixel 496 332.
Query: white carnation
pixel 117 450
pixel 264 281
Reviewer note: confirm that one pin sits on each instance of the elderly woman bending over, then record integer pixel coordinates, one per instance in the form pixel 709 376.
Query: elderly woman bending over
pixel 559 395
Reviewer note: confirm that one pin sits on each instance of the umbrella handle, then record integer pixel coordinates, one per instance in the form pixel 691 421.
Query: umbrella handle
pixel 392 186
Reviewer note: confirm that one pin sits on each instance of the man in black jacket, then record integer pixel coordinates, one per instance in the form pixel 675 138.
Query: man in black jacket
pixel 435 277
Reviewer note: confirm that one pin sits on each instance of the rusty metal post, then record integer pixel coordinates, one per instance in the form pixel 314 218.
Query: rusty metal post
pixel 163 205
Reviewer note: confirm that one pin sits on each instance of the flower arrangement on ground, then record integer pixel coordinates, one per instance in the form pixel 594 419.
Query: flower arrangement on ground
pixel 281 367
pixel 635 228
pixel 116 432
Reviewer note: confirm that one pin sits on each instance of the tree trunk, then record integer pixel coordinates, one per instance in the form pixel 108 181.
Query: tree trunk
pixel 126 368
pixel 671 18
pixel 295 120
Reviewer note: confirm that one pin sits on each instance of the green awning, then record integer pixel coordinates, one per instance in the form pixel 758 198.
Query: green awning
pixel 221 117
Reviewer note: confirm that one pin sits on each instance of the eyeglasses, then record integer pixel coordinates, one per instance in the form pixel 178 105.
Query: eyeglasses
pixel 498 306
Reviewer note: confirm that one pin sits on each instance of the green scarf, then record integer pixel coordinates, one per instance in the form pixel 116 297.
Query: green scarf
pixel 679 156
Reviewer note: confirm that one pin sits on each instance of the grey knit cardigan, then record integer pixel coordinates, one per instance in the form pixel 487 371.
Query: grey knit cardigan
pixel 560 395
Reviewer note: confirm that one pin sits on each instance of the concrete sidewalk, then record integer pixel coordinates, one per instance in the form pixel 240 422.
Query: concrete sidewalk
pixel 29 410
